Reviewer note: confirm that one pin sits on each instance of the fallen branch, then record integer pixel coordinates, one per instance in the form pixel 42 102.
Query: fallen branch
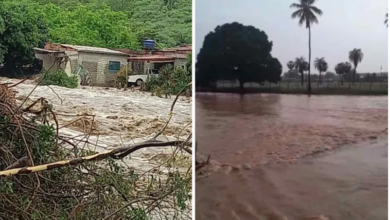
pixel 100 156
pixel 22 162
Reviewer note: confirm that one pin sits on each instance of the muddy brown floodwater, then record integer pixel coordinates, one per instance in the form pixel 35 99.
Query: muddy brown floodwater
pixel 292 157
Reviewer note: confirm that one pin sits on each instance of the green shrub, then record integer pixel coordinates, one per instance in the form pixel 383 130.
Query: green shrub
pixel 170 80
pixel 122 79
pixel 59 78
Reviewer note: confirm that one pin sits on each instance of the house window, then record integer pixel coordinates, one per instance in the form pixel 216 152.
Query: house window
pixel 114 66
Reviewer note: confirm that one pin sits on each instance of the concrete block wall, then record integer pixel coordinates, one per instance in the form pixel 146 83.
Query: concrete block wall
pixel 180 63
pixel 91 66
pixel 99 66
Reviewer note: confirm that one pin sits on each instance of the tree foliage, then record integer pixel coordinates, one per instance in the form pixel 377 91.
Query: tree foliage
pixel 21 29
pixel 342 69
pixel 116 23
pixel 25 24
pixel 237 52
pixel 170 81
pixel 90 25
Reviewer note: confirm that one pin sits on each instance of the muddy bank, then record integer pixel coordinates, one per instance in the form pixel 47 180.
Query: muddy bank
pixel 350 183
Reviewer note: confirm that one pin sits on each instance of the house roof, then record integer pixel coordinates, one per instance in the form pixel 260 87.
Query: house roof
pixel 153 58
pixel 44 51
pixel 94 49
pixel 158 57
pixel 181 48
pixel 52 47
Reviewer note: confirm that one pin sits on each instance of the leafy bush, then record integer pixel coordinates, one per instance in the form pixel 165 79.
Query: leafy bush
pixel 122 79
pixel 59 78
pixel 178 80
pixel 170 81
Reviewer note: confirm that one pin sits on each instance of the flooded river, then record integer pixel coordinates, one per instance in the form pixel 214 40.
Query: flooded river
pixel 292 157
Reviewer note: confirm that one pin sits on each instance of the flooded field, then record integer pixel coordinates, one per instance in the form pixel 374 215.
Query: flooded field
pixel 266 128
pixel 292 157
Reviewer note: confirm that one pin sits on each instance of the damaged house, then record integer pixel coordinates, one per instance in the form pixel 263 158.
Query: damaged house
pixel 101 63
pixel 99 66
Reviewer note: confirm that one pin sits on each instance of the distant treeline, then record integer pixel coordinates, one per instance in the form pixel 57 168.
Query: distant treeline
pixel 25 24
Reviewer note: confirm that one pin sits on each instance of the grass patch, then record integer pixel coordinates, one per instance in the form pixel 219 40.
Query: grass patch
pixel 364 88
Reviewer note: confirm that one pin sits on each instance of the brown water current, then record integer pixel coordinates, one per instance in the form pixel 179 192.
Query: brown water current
pixel 292 157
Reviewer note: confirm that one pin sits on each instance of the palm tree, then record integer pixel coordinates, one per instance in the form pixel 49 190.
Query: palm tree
pixel 321 65
pixel 355 56
pixel 300 66
pixel 324 69
pixel 387 16
pixel 307 14
pixel 339 68
pixel 305 67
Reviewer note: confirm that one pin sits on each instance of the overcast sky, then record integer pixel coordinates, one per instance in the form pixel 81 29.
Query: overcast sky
pixel 344 25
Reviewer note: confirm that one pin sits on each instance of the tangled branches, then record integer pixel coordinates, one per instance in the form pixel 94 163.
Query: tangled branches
pixel 46 175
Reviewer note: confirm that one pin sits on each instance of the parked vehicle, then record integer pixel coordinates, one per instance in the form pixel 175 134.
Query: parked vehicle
pixel 137 80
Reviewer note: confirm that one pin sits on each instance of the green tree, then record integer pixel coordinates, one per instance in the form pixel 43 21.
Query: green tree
pixel 189 63
pixel 273 69
pixel 290 65
pixel 306 14
pixel 321 65
pixel 347 70
pixel 237 52
pixel 168 26
pixel 91 26
pixel 169 23
pixel 21 29
pixel 330 75
pixel 339 71
pixel 292 73
pixel 356 57
pixel 301 66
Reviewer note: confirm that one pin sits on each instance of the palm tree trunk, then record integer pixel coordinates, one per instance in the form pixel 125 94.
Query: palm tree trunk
pixel 302 78
pixel 308 79
pixel 320 81
pixel 353 78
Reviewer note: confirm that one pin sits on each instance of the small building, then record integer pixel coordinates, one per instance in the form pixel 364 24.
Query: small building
pixel 144 64
pixel 154 59
pixel 101 63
